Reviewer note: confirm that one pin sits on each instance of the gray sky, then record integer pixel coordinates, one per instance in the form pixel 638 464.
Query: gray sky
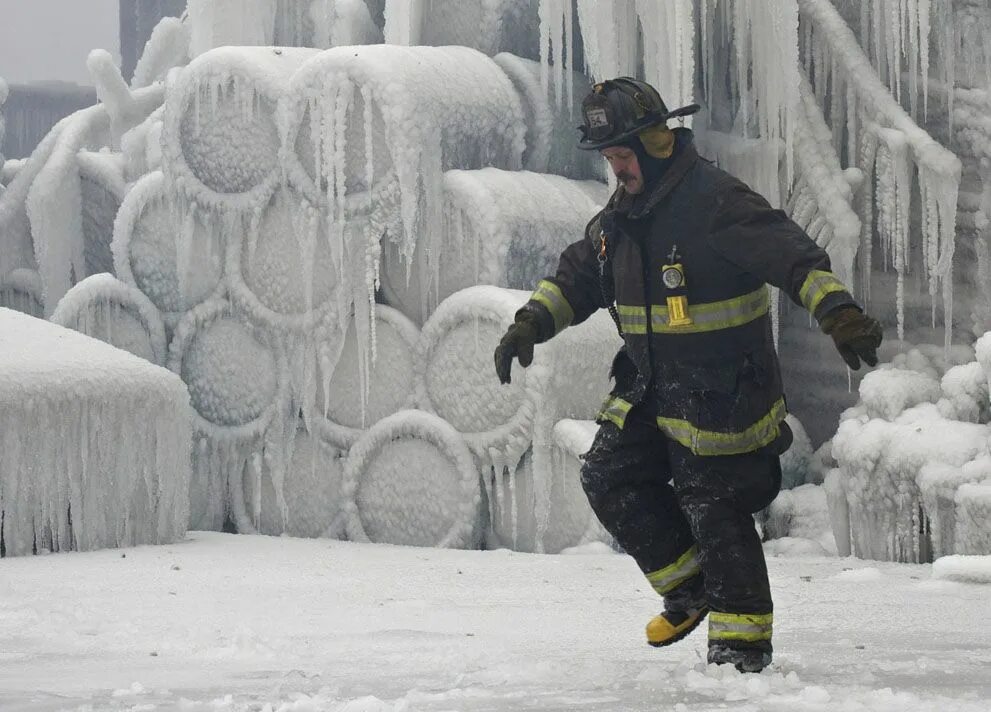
pixel 50 39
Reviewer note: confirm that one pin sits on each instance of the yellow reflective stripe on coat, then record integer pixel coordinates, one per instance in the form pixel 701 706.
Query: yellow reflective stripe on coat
pixel 817 286
pixel 614 410
pixel 709 316
pixel 708 442
pixel 747 627
pixel 670 577
pixel 549 294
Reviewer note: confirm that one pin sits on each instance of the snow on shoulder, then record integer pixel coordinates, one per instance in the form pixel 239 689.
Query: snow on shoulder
pixel 92 430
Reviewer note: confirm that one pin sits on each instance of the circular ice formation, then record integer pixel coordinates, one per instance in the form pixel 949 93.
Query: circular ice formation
pixel 148 240
pixel 309 490
pixel 411 480
pixel 232 369
pixel 283 271
pixel 337 411
pixel 103 307
pixel 455 374
pixel 220 139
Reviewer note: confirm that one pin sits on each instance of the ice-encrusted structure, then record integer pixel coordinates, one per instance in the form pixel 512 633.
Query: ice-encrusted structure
pixel 4 93
pixel 95 443
pixel 905 454
pixel 293 208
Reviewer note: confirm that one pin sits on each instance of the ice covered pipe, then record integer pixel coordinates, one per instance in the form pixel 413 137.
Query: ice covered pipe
pixel 103 307
pixel 238 381
pixel 96 443
pixel 278 270
pixel 102 188
pixel 411 480
pixel 505 228
pixel 305 500
pixel 862 104
pixel 357 119
pixel 551 133
pixel 41 212
pixel 490 26
pixel 337 405
pixel 176 264
pixel 220 143
pixel 455 376
pixel 20 290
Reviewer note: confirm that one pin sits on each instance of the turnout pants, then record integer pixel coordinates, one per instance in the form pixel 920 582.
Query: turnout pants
pixel 687 521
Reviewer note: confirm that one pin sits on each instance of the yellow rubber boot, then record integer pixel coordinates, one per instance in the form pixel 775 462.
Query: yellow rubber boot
pixel 672 626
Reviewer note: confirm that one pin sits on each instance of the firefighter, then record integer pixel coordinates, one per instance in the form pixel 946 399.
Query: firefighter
pixel 690 436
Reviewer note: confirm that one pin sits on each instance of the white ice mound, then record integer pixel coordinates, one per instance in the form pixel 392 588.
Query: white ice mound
pixel 148 236
pixel 105 308
pixel 95 446
pixel 220 140
pixel 340 410
pixel 411 480
pixel 504 228
pixel 456 378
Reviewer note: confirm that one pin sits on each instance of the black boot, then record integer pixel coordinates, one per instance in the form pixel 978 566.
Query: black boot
pixel 743 659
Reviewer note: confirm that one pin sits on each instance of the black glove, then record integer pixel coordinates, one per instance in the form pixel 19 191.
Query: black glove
pixel 856 335
pixel 517 342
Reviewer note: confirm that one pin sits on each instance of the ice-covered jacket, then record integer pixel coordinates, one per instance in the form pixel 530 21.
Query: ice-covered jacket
pixel 713 383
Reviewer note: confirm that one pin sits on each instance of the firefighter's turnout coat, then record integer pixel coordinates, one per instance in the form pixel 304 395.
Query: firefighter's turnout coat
pixel 703 243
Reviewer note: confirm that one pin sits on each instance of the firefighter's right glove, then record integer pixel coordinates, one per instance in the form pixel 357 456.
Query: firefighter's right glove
pixel 856 335
pixel 518 342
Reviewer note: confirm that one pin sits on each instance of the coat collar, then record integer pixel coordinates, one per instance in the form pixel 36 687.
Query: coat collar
pixel 637 206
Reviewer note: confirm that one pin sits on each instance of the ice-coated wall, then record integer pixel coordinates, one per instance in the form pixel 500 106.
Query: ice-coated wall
pixel 301 212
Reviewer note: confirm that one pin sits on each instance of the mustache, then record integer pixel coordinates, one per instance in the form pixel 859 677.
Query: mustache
pixel 625 177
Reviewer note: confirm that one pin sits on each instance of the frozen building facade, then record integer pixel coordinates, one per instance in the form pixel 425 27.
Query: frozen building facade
pixel 322 214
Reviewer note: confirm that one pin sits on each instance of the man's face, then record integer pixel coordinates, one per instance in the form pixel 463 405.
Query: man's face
pixel 625 166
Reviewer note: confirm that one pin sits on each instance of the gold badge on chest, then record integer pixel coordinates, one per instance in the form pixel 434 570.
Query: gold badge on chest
pixel 673 278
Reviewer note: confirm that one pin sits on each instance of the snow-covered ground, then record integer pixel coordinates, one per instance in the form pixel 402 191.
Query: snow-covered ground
pixel 228 622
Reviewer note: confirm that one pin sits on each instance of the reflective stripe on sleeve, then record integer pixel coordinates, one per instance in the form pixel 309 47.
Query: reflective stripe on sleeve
pixel 745 627
pixel 817 286
pixel 549 294
pixel 614 410
pixel 670 577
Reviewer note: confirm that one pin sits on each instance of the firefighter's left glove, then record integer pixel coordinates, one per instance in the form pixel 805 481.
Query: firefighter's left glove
pixel 518 342
pixel 856 335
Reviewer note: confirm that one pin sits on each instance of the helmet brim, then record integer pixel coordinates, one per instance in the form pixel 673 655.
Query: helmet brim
pixel 648 121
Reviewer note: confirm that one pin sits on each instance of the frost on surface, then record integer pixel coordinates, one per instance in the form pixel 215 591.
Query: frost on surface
pixel 410 479
pixel 95 449
pixel 105 308
pixel 504 228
